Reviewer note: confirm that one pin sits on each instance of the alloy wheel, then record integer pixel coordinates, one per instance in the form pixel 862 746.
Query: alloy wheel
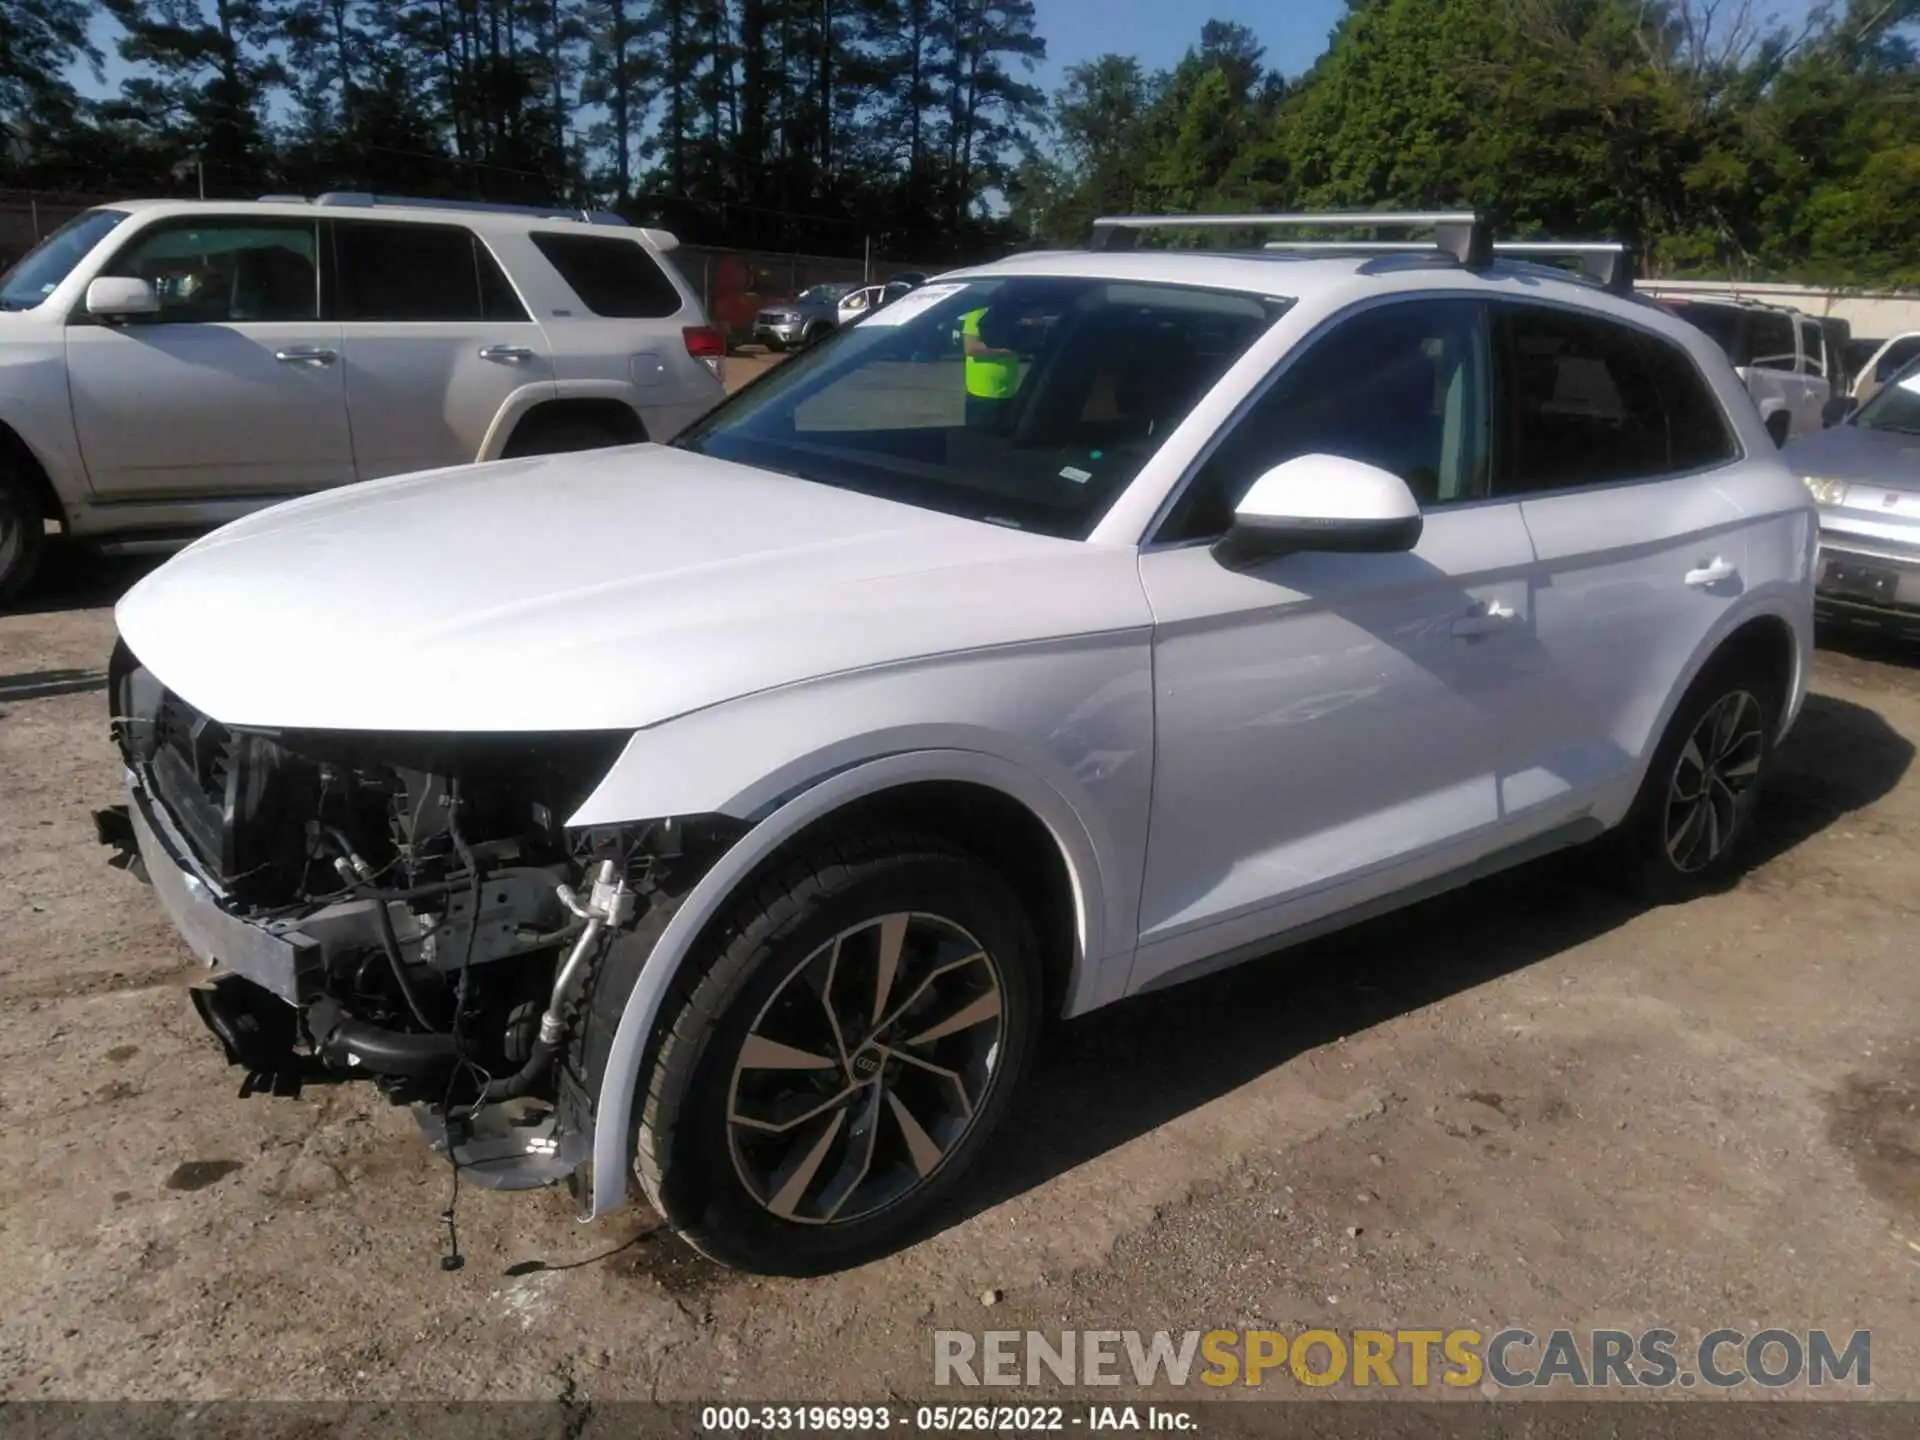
pixel 865 1069
pixel 1712 784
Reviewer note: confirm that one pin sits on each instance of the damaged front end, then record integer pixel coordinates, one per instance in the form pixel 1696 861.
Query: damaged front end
pixel 406 908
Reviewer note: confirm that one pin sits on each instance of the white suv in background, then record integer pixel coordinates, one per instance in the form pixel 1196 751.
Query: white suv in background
pixel 171 365
pixel 726 818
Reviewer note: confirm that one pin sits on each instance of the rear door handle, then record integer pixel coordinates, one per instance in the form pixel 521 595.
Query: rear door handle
pixel 506 354
pixel 1713 572
pixel 1485 619
pixel 306 355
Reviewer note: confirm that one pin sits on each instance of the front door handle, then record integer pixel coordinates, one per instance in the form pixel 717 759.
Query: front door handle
pixel 506 354
pixel 1714 572
pixel 306 355
pixel 1485 619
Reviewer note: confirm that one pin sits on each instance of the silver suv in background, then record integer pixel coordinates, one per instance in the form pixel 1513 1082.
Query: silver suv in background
pixel 173 365
pixel 807 319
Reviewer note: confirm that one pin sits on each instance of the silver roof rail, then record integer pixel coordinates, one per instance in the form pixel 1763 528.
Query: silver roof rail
pixel 361 199
pixel 1608 263
pixel 1463 234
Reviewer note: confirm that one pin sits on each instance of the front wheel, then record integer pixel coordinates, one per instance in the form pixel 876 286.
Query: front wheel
pixel 842 1056
pixel 23 536
pixel 1694 816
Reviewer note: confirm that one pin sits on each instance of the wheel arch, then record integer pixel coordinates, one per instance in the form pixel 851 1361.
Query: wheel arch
pixel 18 456
pixel 965 796
pixel 1766 634
pixel 543 401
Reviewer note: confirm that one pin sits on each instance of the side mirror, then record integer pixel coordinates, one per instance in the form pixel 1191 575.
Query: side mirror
pixel 1322 502
pixel 116 297
pixel 1838 410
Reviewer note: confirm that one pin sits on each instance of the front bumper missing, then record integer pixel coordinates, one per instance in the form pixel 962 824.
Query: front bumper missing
pixel 275 955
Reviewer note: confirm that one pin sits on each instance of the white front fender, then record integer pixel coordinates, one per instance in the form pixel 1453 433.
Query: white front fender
pixel 614 1108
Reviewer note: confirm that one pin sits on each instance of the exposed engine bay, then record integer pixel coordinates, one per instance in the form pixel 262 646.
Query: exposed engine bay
pixel 405 908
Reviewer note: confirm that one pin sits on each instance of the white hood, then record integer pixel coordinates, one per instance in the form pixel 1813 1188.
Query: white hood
pixel 603 590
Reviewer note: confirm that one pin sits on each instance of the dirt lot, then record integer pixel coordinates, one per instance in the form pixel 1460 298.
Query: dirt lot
pixel 1528 1103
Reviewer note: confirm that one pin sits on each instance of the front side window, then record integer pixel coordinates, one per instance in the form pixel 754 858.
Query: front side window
pixel 1773 347
pixel 1402 386
pixel 35 274
pixel 1030 402
pixel 1591 402
pixel 221 271
pixel 1810 346
pixel 396 271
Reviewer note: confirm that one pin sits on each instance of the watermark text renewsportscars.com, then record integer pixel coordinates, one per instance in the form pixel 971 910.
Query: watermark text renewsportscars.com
pixel 1510 1359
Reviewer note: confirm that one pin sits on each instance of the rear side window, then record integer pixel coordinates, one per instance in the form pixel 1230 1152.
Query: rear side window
pixel 615 278
pixel 1591 402
pixel 1725 325
pixel 393 271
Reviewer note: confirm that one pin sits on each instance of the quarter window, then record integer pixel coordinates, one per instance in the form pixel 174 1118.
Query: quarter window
pixel 1591 402
pixel 1402 386
pixel 394 272
pixel 222 271
pixel 613 277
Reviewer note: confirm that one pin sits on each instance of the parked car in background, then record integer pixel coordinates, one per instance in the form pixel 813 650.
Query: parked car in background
pixel 868 298
pixel 725 820
pixel 172 365
pixel 1779 354
pixel 807 319
pixel 1887 359
pixel 1864 474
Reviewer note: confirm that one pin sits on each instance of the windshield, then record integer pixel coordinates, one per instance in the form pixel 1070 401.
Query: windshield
pixel 1029 402
pixel 34 276
pixel 1897 405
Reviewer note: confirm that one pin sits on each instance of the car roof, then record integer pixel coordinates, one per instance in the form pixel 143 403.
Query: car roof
pixel 1318 275
pixel 483 220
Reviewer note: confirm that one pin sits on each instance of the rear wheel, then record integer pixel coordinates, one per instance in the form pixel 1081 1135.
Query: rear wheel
pixel 838 1063
pixel 1691 822
pixel 23 535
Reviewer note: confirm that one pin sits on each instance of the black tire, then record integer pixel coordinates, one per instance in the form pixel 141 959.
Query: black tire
pixel 777 346
pixel 688 1152
pixel 1661 864
pixel 817 332
pixel 23 536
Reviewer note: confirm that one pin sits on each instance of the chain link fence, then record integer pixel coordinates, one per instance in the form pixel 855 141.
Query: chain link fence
pixel 732 284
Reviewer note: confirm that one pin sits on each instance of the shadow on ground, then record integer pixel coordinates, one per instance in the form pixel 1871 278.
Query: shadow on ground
pixel 39 684
pixel 1134 1066
pixel 72 577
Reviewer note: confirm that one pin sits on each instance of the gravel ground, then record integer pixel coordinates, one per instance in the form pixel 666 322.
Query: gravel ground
pixel 1528 1103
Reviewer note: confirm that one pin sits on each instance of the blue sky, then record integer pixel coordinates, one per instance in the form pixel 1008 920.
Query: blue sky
pixel 1159 32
